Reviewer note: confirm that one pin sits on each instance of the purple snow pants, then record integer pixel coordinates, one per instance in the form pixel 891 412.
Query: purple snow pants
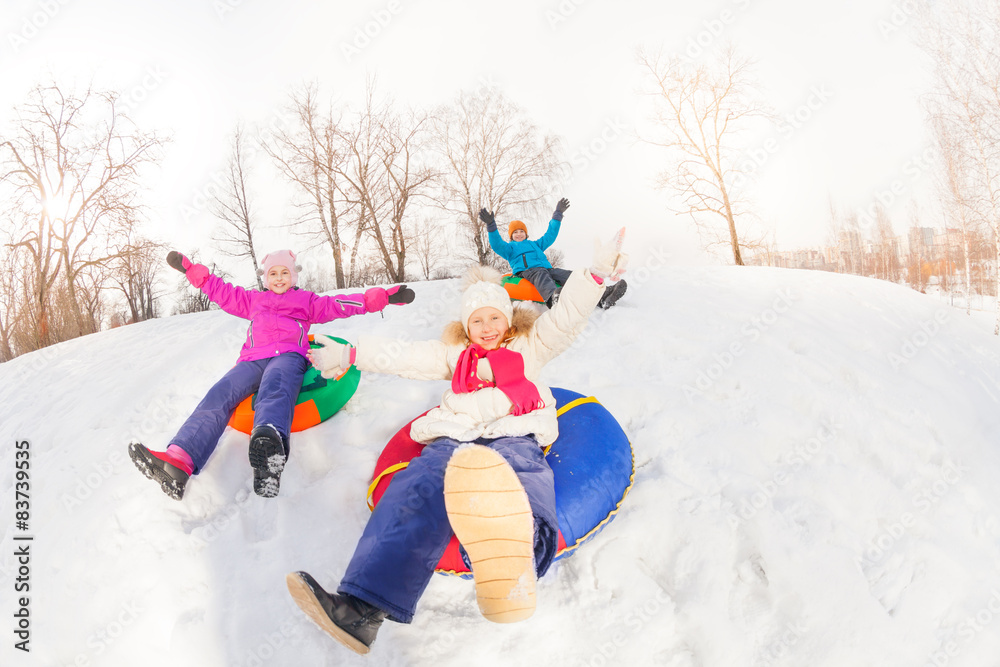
pixel 409 529
pixel 276 380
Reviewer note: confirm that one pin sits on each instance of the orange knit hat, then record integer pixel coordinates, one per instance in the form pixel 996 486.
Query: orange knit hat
pixel 516 225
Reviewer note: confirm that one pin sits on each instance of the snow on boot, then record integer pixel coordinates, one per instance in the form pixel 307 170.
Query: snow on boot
pixel 349 620
pixel 489 512
pixel 158 467
pixel 267 458
pixel 611 294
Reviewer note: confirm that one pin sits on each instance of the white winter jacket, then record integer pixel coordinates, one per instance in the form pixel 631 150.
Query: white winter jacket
pixel 485 413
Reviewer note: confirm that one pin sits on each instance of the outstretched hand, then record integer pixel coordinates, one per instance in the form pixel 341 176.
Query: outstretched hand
pixel 400 295
pixel 489 219
pixel 562 205
pixel 178 261
pixel 331 359
pixel 609 260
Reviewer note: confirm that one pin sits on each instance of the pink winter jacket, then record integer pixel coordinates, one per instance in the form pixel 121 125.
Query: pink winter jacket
pixel 279 323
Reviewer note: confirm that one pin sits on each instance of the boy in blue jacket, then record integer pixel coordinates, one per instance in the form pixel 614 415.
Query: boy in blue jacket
pixel 527 258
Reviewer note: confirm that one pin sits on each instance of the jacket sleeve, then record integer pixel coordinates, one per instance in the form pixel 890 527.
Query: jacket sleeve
pixel 417 360
pixel 555 329
pixel 549 237
pixel 499 246
pixel 326 308
pixel 232 299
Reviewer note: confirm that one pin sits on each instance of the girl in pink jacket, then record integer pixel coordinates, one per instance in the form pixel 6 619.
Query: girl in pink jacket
pixel 271 363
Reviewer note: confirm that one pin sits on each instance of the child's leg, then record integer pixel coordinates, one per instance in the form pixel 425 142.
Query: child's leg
pixel 559 275
pixel 278 391
pixel 542 281
pixel 526 458
pixel 199 436
pixel 405 536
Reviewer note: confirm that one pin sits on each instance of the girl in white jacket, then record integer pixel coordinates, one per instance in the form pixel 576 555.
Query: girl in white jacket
pixel 481 474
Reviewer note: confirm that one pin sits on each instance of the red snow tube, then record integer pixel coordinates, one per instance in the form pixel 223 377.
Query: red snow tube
pixel 592 463
pixel 520 289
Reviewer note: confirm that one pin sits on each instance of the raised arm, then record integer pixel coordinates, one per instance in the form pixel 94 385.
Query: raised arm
pixel 499 246
pixel 549 237
pixel 232 299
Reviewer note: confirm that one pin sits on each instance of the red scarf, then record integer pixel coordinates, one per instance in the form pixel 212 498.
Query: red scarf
pixel 508 375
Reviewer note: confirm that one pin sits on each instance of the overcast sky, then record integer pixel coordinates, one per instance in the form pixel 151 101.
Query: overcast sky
pixel 844 77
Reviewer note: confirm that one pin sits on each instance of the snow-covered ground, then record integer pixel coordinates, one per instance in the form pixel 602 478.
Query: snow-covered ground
pixel 817 483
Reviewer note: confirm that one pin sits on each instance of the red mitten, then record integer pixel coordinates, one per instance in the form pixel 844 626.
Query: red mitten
pixel 197 274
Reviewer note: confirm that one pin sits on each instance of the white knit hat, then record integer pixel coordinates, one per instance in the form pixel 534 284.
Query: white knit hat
pixel 285 258
pixel 483 289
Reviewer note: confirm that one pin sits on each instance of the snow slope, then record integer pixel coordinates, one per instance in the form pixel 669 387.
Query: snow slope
pixel 816 484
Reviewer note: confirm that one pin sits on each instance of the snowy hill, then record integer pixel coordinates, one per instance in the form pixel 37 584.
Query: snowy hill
pixel 817 484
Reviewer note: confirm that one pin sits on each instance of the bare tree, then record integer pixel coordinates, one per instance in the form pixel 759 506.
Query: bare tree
pixel 955 192
pixel 428 246
pixel 385 176
pixel 494 158
pixel 135 275
pixel 232 206
pixel 311 155
pixel 700 112
pixel 72 169
pixel 963 42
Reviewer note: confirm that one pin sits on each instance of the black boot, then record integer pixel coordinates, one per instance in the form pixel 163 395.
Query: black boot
pixel 554 299
pixel 611 294
pixel 267 458
pixel 170 478
pixel 351 621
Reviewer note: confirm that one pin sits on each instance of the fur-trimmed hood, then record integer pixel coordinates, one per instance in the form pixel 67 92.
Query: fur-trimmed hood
pixel 523 320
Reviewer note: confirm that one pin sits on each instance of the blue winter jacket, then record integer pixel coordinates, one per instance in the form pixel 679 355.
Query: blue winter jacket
pixel 526 254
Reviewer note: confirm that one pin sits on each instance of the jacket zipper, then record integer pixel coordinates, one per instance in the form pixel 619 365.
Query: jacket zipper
pixel 302 332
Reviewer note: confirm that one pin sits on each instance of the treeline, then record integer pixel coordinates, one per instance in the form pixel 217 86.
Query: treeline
pixel 393 193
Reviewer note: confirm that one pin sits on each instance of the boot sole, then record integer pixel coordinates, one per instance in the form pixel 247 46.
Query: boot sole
pixel 617 292
pixel 267 458
pixel 148 466
pixel 490 514
pixel 305 597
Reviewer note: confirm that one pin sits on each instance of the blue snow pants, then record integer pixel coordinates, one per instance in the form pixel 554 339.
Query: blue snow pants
pixel 545 280
pixel 409 530
pixel 276 380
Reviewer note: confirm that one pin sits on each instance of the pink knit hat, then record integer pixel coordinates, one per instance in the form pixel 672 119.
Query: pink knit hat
pixel 285 258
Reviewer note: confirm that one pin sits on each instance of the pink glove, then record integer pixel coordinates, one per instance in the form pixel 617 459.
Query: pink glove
pixel 376 299
pixel 196 274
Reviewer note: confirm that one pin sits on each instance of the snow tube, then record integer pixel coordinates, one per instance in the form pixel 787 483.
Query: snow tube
pixel 592 462
pixel 521 289
pixel 318 399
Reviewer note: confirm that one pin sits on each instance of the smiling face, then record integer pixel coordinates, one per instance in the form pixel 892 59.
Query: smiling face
pixel 518 235
pixel 487 327
pixel 279 279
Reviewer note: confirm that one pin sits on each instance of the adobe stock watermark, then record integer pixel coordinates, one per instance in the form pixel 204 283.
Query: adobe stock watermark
pixel 271 644
pixel 781 645
pixel 92 480
pixel 632 624
pixel 966 631
pixel 587 154
pixel 791 462
pixel 34 23
pixel 910 172
pixel 750 332
pixel 369 31
pixel 789 124
pixel 225 7
pixel 562 12
pixel 918 340
pixel 101 639
pixel 218 181
pixel 901 14
pixel 712 30
pixel 923 501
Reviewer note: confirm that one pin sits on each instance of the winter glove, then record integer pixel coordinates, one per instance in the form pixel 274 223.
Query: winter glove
pixel 196 274
pixel 609 260
pixel 331 359
pixel 561 207
pixel 400 295
pixel 375 299
pixel 487 217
